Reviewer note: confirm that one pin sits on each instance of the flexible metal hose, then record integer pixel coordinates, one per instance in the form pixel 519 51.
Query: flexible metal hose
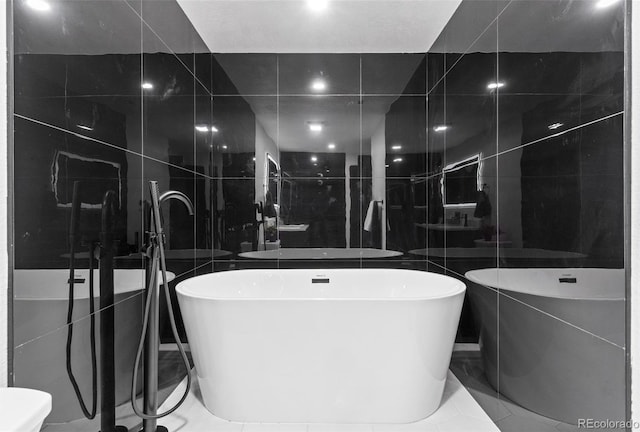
pixel 158 256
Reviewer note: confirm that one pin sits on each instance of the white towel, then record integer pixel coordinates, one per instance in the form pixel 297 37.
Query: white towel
pixel 368 220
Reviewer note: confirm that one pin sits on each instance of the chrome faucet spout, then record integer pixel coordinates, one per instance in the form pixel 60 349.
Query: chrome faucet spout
pixel 179 196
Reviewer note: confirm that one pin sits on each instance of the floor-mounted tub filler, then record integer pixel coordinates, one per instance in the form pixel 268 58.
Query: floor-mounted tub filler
pixel 42 295
pixel 321 346
pixel 553 339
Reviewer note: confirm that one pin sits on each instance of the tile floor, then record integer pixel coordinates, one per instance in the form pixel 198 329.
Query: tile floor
pixel 469 405
pixel 507 415
pixel 459 412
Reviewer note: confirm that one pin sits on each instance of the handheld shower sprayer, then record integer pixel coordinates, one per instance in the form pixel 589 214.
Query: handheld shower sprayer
pixel 150 328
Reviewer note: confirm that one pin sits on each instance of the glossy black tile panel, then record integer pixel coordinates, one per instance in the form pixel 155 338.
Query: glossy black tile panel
pixel 337 74
pixel 406 212
pixel 203 65
pixel 245 74
pixel 203 134
pixel 472 93
pixel 436 68
pixel 396 128
pixel 561 26
pixel 245 125
pixel 302 165
pixel 97 96
pixel 394 73
pixel 77 28
pixel 229 166
pixel 169 123
pixel 549 103
pixel 47 162
pixel 237 230
pixel 338 117
pixel 437 129
pixel 571 191
pixel 320 204
pixel 471 122
pixel 48 75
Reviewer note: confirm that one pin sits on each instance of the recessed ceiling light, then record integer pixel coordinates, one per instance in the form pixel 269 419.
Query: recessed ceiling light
pixel 85 127
pixel 495 85
pixel 39 5
pixel 555 126
pixel 314 158
pixel 331 146
pixel 605 3
pixel 317 5
pixel 396 147
pixel 315 127
pixel 224 147
pixel 202 128
pixel 318 85
pixel 214 129
pixel 397 160
pixel 440 128
pixel 147 85
pixel 386 166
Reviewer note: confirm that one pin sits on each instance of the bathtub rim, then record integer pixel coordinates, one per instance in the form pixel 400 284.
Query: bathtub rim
pixel 314 254
pixel 471 276
pixel 456 287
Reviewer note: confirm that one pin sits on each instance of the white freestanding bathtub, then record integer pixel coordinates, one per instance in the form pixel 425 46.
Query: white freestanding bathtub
pixel 553 339
pixel 40 334
pixel 321 346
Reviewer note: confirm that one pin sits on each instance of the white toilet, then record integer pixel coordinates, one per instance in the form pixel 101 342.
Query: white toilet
pixel 23 410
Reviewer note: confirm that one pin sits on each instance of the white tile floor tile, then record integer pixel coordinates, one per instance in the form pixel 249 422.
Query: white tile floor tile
pixel 458 412
pixel 467 424
pixel 517 423
pixel 340 428
pixel 491 405
pixel 421 426
pixel 274 427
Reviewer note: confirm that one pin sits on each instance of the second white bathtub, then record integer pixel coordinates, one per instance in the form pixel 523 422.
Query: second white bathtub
pixel 321 346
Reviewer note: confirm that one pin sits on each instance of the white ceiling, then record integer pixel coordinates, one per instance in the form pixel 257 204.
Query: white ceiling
pixel 344 26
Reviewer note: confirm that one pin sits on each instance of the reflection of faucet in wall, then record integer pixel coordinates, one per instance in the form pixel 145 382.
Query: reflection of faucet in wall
pixel 107 316
pixel 107 321
pixel 259 213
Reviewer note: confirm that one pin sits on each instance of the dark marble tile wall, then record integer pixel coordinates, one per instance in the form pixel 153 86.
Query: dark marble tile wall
pixel 110 94
pixel 535 91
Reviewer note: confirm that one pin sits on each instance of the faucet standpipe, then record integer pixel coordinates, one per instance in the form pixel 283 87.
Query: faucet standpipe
pixel 150 327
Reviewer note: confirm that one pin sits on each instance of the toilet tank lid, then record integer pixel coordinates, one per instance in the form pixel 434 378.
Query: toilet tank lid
pixel 22 409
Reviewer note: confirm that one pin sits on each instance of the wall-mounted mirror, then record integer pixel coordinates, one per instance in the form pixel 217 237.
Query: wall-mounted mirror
pixel 461 181
pixel 272 187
